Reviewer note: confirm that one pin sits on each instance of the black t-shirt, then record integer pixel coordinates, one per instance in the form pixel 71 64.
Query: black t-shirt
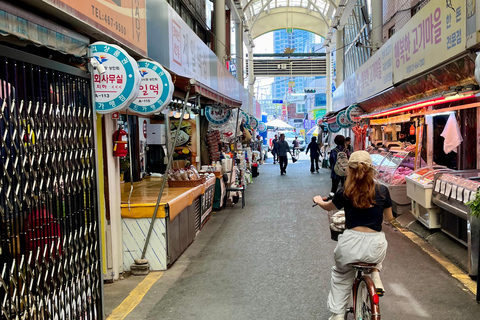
pixel 371 217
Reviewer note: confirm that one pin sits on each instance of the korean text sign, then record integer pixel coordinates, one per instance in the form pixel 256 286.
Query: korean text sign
pixel 432 36
pixel 123 20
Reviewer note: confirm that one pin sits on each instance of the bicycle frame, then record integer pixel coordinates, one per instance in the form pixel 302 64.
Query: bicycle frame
pixel 371 291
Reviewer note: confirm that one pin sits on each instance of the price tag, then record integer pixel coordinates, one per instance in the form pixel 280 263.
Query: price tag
pixel 466 196
pixel 454 192
pixel 460 194
pixel 437 186
pixel 473 195
pixel 442 187
pixel 448 189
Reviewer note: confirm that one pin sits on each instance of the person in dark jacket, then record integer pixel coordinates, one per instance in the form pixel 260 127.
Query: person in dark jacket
pixel 314 154
pixel 281 149
pixel 340 147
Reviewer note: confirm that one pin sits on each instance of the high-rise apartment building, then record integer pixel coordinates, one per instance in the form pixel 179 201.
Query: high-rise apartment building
pixel 302 42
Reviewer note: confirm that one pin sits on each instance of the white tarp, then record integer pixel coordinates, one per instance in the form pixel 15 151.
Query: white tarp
pixel 278 124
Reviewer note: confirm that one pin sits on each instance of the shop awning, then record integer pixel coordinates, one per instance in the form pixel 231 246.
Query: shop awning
pixel 19 26
pixel 313 132
pixel 208 94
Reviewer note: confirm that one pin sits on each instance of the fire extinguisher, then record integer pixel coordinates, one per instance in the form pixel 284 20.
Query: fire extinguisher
pixel 120 148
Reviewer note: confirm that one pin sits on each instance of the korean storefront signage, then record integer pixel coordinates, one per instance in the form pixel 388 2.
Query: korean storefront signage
pixel 117 87
pixel 156 88
pixel 262 127
pixel 432 36
pixel 217 116
pixel 342 120
pixel 334 127
pixel 375 75
pixel 353 112
pixel 122 20
pixel 245 117
pixel 391 120
pixel 254 123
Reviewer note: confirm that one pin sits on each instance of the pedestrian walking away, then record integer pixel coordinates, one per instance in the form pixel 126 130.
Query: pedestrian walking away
pixel 281 149
pixel 366 205
pixel 314 154
pixel 274 150
pixel 340 147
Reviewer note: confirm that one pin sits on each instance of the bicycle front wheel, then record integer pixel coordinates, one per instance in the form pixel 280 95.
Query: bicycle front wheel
pixel 366 300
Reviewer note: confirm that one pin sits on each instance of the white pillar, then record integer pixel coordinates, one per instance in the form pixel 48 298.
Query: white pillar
pixel 239 50
pixel 339 57
pixel 328 90
pixel 251 76
pixel 377 24
pixel 220 30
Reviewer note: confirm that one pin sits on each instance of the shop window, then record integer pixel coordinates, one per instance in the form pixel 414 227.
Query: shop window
pixel 467 150
pixel 439 156
pixel 391 32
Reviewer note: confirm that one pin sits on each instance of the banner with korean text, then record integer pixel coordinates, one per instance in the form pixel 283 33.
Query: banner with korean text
pixel 375 75
pixel 125 21
pixel 432 36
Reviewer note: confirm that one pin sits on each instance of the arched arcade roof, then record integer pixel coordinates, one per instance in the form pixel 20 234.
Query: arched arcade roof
pixel 263 16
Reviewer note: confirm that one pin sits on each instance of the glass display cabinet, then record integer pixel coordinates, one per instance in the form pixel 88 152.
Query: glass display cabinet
pixel 419 189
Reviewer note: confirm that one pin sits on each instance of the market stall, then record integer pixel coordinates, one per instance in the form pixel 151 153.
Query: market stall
pixel 180 215
pixel 392 167
pixel 452 192
pixel 419 190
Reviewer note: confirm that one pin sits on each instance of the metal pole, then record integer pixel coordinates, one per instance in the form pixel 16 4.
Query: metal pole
pixel 235 148
pixel 170 158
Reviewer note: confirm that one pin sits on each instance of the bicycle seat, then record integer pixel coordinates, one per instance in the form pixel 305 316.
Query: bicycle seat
pixel 363 265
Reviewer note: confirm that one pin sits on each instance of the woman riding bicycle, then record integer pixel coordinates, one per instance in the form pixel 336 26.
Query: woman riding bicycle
pixel 366 205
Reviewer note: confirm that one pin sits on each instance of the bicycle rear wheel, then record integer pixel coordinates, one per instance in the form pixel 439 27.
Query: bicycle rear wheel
pixel 366 302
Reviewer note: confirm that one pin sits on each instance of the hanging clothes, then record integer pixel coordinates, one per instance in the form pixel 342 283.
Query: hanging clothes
pixel 452 135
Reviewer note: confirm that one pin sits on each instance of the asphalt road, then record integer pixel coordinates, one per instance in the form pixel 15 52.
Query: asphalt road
pixel 272 260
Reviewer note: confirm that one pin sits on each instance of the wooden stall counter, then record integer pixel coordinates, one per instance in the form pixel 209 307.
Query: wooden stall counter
pixel 184 208
pixel 145 194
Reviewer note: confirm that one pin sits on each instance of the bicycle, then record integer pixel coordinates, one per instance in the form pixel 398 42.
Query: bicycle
pixel 365 298
pixel 297 152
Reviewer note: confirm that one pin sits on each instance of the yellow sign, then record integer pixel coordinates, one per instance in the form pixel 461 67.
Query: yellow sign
pixel 123 20
pixel 397 119
pixel 291 84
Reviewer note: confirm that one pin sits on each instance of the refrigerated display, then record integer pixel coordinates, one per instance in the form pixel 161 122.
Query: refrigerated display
pixel 451 192
pixel 391 173
pixel 419 190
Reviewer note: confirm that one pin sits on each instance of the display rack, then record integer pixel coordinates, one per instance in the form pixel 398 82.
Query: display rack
pixel 419 189
pixel 452 191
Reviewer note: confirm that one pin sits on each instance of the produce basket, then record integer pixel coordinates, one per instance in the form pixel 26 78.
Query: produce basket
pixel 334 231
pixel 186 183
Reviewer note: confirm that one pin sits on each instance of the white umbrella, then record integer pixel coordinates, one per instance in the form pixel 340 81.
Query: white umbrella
pixel 278 124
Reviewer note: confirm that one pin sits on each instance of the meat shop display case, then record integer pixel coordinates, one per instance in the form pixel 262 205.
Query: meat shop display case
pixel 451 192
pixel 392 167
pixel 419 190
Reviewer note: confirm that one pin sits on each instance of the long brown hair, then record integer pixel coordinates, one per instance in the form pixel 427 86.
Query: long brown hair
pixel 360 186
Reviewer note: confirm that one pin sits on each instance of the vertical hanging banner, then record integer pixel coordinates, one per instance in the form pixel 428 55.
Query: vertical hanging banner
pixel 117 86
pixel 156 88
